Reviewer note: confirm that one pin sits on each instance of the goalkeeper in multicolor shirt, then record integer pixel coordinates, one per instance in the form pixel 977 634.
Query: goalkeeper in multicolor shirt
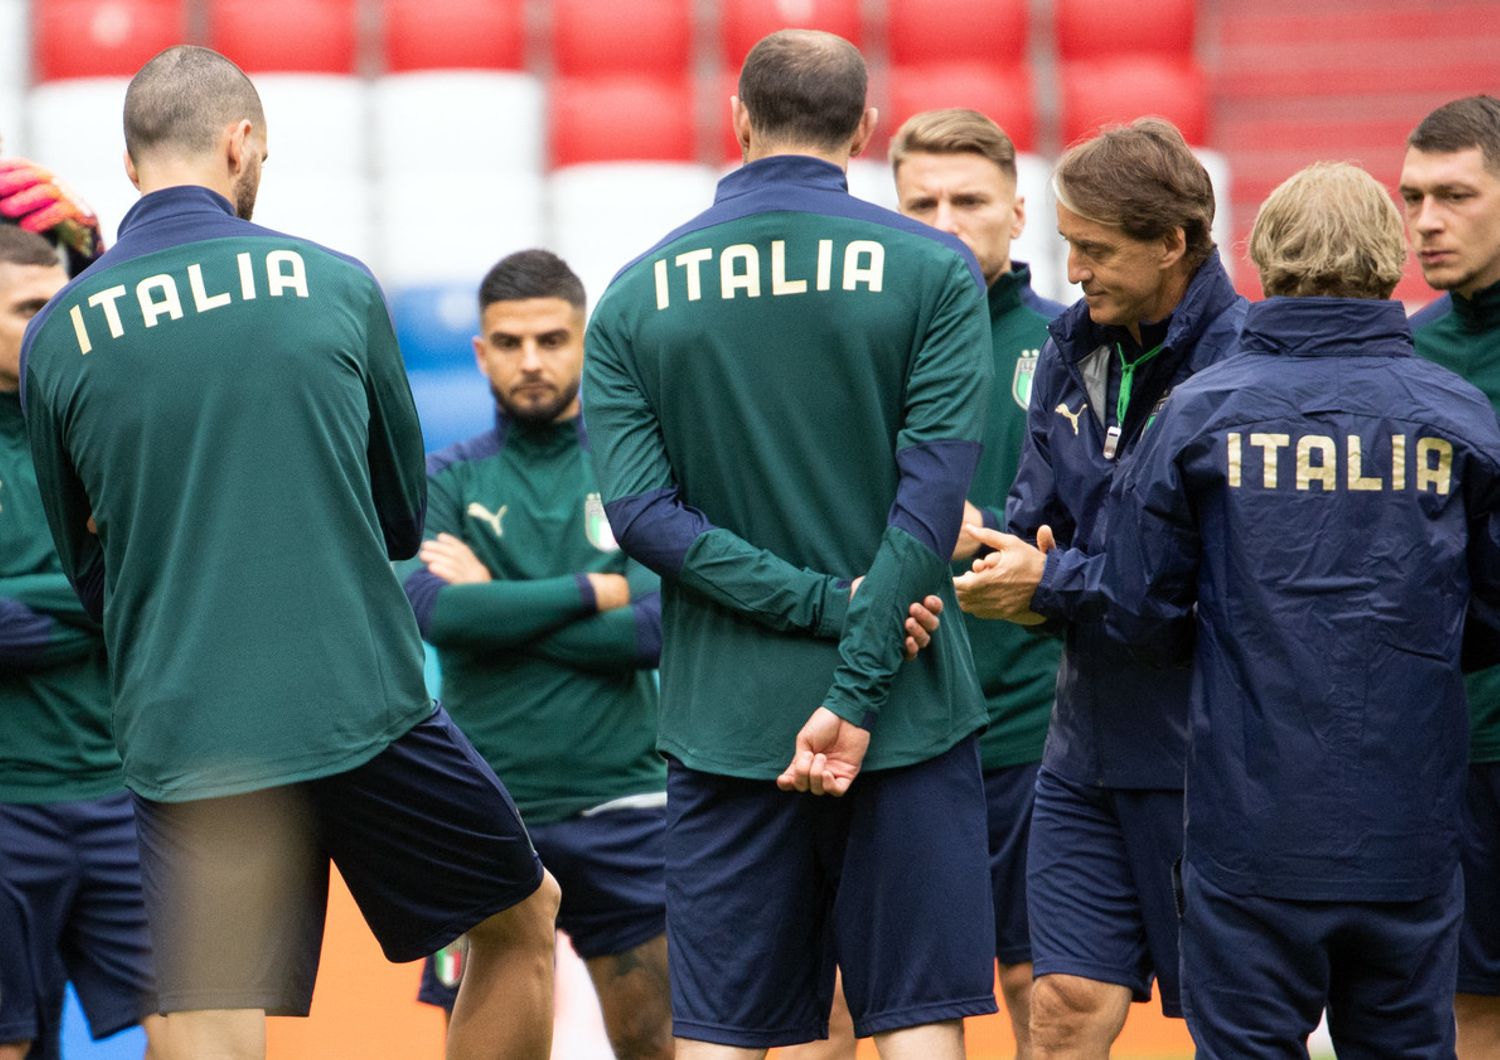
pixel 71 906
pixel 547 636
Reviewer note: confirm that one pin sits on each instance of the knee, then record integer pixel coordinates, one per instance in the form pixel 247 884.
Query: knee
pixel 1065 1008
pixel 14 1050
pixel 530 924
pixel 1015 983
pixel 642 1035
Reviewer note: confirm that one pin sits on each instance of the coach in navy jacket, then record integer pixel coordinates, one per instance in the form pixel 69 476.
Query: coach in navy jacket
pixel 1305 522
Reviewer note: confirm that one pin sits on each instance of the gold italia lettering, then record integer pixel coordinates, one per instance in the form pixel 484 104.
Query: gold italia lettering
pixel 1321 463
pixel 752 271
pixel 160 297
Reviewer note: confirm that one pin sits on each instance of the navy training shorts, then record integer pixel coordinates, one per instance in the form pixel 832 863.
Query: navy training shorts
pixel 609 864
pixel 71 908
pixel 1099 885
pixel 1010 792
pixel 1257 973
pixel 1479 844
pixel 424 834
pixel 768 891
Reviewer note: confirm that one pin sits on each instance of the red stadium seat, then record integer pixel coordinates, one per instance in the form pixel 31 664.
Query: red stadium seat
pixel 596 37
pixel 1098 29
pixel 622 118
pixel 747 21
pixel 950 31
pixel 1002 93
pixel 1121 90
pixel 454 34
pixel 286 36
pixel 101 38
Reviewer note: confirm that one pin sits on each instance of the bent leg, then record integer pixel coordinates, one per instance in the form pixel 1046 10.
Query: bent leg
pixel 1015 989
pixel 931 1041
pixel 504 1006
pixel 636 999
pixel 1073 1018
pixel 840 1044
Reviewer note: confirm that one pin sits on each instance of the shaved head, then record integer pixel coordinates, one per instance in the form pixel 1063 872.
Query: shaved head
pixel 181 102
pixel 804 86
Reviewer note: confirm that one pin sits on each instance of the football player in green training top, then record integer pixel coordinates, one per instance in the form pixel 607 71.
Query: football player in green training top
pixel 72 907
pixel 1450 183
pixel 547 636
pixel 227 407
pixel 784 395
pixel 956 170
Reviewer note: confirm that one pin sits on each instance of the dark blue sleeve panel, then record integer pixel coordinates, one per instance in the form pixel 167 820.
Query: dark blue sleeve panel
pixel 33 640
pixel 648 630
pixel 1150 567
pixel 612 642
pixel 929 501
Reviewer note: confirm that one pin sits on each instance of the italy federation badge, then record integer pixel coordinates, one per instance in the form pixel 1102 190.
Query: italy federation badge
pixel 1020 384
pixel 448 962
pixel 596 526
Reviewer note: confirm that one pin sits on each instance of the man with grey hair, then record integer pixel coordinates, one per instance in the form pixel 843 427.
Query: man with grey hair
pixel 1305 524
pixel 229 458
pixel 1450 183
pixel 784 401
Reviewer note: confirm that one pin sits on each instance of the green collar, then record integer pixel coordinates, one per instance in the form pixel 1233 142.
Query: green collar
pixel 1005 292
pixel 1482 312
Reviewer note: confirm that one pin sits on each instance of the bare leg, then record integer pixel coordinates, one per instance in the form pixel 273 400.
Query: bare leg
pixel 840 1044
pixel 688 1049
pixel 931 1041
pixel 636 1000
pixel 211 1034
pixel 1015 988
pixel 1073 1018
pixel 504 1006
pixel 154 1026
pixel 1478 1026
pixel 14 1050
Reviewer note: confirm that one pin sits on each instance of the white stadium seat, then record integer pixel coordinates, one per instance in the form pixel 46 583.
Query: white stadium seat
pixel 75 127
pixel 13 122
pixel 317 124
pixel 872 181
pixel 606 214
pixel 13 54
pixel 471 120
pixel 1218 175
pixel 1040 245
pixel 336 211
pixel 444 225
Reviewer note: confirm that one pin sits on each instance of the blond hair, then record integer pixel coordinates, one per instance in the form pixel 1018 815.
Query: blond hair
pixel 1143 179
pixel 955 130
pixel 1330 230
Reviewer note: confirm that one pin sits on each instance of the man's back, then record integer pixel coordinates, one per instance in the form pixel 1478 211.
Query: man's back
pixel 792 342
pixel 1334 476
pixel 229 405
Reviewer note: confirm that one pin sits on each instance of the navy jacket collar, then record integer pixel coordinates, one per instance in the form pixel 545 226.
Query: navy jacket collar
pixel 1327 327
pixel 1209 293
pixel 802 170
pixel 174 203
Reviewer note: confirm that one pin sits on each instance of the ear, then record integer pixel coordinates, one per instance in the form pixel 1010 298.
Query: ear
pixel 739 121
pixel 1174 248
pixel 1018 217
pixel 864 131
pixel 130 172
pixel 236 150
pixel 479 348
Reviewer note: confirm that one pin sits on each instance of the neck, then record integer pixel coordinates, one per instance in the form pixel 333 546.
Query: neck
pixel 989 281
pixel 1488 278
pixel 839 157
pixel 1173 287
pixel 180 173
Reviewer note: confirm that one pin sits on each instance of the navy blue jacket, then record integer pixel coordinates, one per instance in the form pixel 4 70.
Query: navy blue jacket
pixel 1117 722
pixel 1326 499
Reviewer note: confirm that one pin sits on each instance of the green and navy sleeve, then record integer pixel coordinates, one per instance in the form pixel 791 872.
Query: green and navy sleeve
pixel 627 638
pixel 398 474
pixel 937 450
pixel 654 525
pixel 66 504
pixel 31 638
pixel 494 614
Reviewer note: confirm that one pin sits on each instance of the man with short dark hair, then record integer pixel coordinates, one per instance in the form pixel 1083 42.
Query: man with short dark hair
pixel 1450 183
pixel 785 395
pixel 1305 524
pixel 1136 209
pixel 229 457
pixel 71 907
pixel 956 170
pixel 547 637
